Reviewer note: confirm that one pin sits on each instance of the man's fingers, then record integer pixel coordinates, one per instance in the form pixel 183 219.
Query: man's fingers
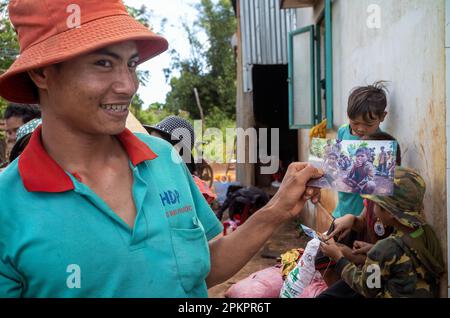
pixel 309 172
pixel 297 166
pixel 309 191
pixel 312 194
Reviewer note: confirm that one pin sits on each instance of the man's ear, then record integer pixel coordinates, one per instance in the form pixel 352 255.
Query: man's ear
pixel 39 77
pixel 384 116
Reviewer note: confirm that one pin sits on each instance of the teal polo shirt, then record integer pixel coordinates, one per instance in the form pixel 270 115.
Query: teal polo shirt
pixel 59 239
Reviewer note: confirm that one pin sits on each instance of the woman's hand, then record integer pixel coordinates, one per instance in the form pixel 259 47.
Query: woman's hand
pixel 360 247
pixel 331 250
pixel 342 227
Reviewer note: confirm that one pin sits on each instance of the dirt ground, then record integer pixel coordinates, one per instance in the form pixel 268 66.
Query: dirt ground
pixel 284 239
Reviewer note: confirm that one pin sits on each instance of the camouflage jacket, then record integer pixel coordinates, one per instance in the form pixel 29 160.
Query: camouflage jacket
pixel 400 272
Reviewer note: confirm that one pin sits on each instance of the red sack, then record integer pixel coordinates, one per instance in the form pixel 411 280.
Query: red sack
pixel 265 283
pixel 316 287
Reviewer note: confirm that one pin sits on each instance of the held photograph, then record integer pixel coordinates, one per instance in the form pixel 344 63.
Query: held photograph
pixel 354 166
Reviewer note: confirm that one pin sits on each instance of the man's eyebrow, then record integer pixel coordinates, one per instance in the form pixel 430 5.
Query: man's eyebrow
pixel 112 54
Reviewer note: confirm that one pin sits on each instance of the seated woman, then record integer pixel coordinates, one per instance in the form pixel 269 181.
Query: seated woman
pixel 363 231
pixel 408 263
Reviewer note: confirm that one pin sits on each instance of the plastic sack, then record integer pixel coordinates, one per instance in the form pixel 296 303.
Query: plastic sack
pixel 265 283
pixel 316 287
pixel 302 275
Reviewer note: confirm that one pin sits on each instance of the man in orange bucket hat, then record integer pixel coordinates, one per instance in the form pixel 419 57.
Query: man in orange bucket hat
pixel 90 209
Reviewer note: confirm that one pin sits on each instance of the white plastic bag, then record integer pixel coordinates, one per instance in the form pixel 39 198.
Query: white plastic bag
pixel 301 276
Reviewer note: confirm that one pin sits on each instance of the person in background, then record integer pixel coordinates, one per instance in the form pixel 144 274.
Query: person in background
pixel 23 137
pixel 382 162
pixel 360 177
pixel 15 116
pixel 180 134
pixel 356 235
pixel 331 168
pixel 409 260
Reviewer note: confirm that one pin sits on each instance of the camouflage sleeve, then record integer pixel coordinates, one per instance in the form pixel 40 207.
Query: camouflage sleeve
pixel 369 280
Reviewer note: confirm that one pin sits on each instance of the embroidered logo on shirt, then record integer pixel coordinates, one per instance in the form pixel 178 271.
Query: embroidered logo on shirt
pixel 170 197
pixel 176 212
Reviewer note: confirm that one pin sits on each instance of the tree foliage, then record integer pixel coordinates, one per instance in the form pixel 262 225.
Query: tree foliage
pixel 9 48
pixel 211 68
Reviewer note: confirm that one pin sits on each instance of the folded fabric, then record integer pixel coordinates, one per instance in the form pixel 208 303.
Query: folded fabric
pixel 316 287
pixel 265 283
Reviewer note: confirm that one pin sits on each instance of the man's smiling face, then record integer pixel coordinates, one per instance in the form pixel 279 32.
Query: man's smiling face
pixel 92 93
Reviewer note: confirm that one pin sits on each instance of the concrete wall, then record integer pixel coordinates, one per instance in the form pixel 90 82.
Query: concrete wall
pixel 408 50
pixel 447 53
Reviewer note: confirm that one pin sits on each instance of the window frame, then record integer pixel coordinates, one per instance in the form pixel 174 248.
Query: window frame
pixel 316 62
pixel 311 30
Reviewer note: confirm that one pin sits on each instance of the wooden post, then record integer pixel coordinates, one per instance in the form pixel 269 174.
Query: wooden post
pixel 199 105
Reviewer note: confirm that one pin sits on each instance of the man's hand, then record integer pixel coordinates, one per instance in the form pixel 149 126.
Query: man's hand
pixel 293 192
pixel 226 259
pixel 342 227
pixel 360 247
pixel 331 250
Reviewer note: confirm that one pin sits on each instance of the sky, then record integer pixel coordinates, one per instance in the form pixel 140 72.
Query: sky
pixel 175 11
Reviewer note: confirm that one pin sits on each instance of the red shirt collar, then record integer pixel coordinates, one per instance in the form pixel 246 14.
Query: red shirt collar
pixel 40 173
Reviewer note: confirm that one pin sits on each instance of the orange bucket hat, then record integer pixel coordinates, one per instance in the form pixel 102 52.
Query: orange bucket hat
pixel 53 31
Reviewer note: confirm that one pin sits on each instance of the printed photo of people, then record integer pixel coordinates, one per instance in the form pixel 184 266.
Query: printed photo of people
pixel 355 166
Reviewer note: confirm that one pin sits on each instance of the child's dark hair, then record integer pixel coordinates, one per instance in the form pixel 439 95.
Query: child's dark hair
pixel 363 150
pixel 333 154
pixel 19 147
pixel 385 136
pixel 370 101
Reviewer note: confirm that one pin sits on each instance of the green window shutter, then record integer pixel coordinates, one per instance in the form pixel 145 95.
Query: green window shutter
pixel 305 73
pixel 329 63
pixel 302 85
pixel 318 111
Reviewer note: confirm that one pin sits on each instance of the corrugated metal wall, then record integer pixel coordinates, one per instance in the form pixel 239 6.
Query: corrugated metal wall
pixel 264 30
